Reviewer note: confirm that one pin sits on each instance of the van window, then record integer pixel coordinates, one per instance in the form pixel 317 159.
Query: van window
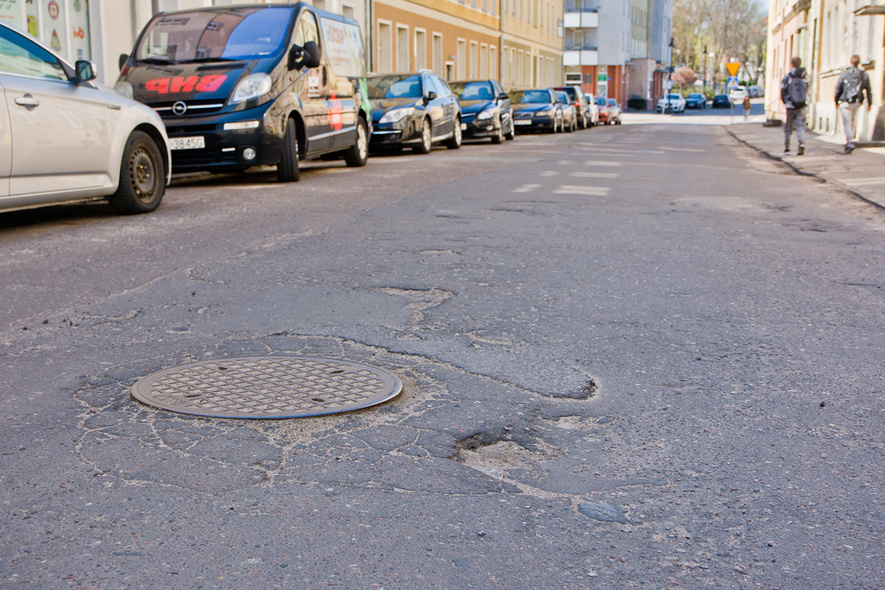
pixel 344 47
pixel 306 30
pixel 238 33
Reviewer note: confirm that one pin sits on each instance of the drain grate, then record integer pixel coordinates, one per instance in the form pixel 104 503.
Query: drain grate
pixel 268 387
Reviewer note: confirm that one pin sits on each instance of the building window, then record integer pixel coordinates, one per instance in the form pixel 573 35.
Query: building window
pixel 483 61
pixel 385 47
pixel 438 54
pixel 402 48
pixel 493 62
pixel 346 11
pixel 420 49
pixel 473 59
pixel 461 59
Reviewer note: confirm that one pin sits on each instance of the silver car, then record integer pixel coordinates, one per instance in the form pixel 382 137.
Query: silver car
pixel 64 137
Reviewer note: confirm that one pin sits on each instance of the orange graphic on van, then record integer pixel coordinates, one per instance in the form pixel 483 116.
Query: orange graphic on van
pixel 181 84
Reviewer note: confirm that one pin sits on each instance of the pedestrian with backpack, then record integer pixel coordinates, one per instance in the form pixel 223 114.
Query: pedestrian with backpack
pixel 850 89
pixel 794 93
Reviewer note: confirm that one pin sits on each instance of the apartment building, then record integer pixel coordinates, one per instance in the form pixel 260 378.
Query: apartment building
pixel 617 48
pixel 457 39
pixel 531 42
pixel 825 34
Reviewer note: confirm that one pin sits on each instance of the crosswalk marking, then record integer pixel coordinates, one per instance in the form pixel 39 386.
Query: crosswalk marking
pixel 602 163
pixel 593 191
pixel 527 188
pixel 595 174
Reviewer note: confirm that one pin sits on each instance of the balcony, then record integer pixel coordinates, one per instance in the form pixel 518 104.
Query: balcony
pixel 580 56
pixel 580 15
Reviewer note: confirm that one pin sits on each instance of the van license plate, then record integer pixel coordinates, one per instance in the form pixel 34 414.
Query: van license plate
pixel 186 143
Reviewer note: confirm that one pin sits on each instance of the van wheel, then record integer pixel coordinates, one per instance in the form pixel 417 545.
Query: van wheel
pixel 287 169
pixel 142 176
pixel 455 141
pixel 358 154
pixel 426 138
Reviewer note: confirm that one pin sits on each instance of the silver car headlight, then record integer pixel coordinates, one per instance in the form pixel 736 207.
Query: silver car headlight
pixel 394 115
pixel 486 114
pixel 544 113
pixel 125 89
pixel 252 86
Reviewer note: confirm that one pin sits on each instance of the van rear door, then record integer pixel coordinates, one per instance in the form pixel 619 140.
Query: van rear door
pixel 344 53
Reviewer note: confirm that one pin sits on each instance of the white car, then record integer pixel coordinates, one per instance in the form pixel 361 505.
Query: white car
pixel 66 138
pixel 671 102
pixel 737 94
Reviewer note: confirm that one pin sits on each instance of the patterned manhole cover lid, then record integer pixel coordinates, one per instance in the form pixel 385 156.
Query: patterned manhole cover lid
pixel 267 387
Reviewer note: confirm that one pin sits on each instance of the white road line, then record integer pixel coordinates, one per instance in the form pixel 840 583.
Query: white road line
pixel 602 163
pixel 527 188
pixel 549 173
pixel 593 191
pixel 862 181
pixel 595 174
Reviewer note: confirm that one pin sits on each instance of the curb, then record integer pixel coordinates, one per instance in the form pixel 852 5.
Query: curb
pixel 850 190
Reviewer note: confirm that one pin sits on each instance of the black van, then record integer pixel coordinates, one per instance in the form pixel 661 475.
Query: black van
pixel 241 86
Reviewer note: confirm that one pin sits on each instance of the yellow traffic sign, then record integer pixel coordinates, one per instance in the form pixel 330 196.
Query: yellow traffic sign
pixel 733 67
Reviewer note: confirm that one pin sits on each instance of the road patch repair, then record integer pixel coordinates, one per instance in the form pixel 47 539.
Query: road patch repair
pixel 271 387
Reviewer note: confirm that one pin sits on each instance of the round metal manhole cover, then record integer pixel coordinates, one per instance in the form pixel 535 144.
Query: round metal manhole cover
pixel 267 387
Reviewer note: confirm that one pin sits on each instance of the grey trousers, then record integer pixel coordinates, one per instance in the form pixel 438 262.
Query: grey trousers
pixel 849 120
pixel 795 118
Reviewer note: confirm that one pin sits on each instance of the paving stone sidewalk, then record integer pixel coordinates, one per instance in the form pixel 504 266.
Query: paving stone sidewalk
pixel 862 172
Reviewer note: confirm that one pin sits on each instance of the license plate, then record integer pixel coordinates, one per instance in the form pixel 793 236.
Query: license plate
pixel 518 122
pixel 186 143
pixel 463 126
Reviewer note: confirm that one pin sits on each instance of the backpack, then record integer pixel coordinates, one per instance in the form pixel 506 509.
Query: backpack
pixel 795 90
pixel 851 85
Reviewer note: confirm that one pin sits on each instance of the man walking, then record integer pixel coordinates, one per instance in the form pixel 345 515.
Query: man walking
pixel 794 91
pixel 849 96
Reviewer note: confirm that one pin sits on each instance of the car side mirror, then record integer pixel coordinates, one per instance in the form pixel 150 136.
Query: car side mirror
pixel 503 96
pixel 430 96
pixel 122 61
pixel 85 71
pixel 308 56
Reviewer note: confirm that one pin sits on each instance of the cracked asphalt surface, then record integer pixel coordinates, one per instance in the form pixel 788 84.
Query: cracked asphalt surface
pixel 632 357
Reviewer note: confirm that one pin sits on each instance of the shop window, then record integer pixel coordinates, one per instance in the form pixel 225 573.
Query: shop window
pixel 63 25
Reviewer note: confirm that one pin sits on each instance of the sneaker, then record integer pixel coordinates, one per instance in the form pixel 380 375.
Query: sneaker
pixel 786 150
pixel 848 149
pixel 801 150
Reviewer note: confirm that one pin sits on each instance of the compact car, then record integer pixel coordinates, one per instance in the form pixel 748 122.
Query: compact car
pixel 413 110
pixel 536 109
pixel 569 113
pixel 576 95
pixel 602 106
pixel 671 102
pixel 485 110
pixel 66 138
pixel 614 111
pixel 695 100
pixel 721 101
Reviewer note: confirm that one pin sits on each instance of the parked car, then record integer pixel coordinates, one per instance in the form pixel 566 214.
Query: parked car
pixel 536 109
pixel 696 100
pixel 414 109
pixel 592 110
pixel 721 101
pixel 576 95
pixel 569 112
pixel 756 91
pixel 67 138
pixel 485 110
pixel 602 107
pixel 252 85
pixel 614 112
pixel 671 102
pixel 737 94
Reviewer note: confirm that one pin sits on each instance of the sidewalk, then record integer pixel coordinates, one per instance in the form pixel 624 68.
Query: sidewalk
pixel 861 173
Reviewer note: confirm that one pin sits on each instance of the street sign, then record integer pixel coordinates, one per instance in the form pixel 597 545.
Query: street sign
pixel 732 83
pixel 733 67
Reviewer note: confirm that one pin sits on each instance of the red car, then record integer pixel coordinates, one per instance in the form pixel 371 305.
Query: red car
pixel 603 110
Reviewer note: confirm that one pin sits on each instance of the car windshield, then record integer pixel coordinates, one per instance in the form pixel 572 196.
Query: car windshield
pixel 695 96
pixel 395 86
pixel 600 101
pixel 473 90
pixel 213 35
pixel 675 96
pixel 530 96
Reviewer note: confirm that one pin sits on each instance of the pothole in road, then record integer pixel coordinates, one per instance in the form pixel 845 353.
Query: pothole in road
pixel 497 459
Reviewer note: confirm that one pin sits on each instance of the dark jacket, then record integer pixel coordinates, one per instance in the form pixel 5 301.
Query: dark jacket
pixel 864 87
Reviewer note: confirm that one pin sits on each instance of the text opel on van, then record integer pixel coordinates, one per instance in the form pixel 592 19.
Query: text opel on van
pixel 241 86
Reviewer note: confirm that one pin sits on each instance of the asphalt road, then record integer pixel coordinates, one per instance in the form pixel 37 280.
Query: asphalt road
pixel 633 356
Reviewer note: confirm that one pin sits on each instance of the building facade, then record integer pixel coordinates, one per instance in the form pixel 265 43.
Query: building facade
pixel 617 48
pixel 825 34
pixel 531 43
